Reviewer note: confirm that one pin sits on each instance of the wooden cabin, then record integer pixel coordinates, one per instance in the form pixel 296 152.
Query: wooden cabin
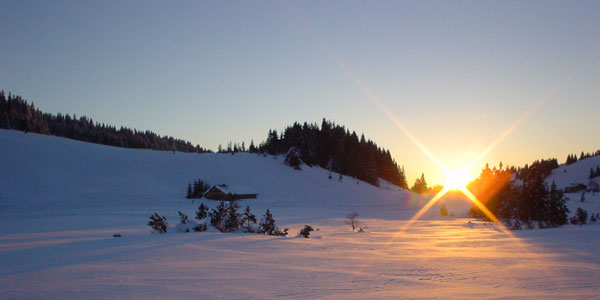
pixel 223 192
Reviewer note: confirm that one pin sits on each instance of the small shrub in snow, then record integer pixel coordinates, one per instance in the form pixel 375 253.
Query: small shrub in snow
pixel 200 227
pixel 281 233
pixel 305 232
pixel 183 217
pixel 158 223
pixel 582 198
pixel 593 218
pixel 351 219
pixel 443 210
pixel 247 218
pixel 580 217
pixel 185 224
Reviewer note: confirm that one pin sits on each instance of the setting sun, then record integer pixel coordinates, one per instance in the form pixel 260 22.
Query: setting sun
pixel 456 180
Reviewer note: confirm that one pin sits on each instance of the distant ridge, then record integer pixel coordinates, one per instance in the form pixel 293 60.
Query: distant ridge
pixel 17 114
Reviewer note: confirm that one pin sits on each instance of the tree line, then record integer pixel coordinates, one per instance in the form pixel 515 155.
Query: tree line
pixel 335 148
pixel 17 114
pixel 529 203
pixel 572 158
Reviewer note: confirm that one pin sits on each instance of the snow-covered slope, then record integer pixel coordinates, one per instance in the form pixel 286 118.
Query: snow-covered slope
pixel 578 172
pixel 62 200
pixel 51 176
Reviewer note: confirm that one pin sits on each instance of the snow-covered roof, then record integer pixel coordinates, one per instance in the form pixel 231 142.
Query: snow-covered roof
pixel 235 189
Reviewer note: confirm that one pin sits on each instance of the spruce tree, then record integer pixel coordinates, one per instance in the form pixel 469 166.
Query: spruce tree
pixel 183 217
pixel 217 215
pixel 232 221
pixel 202 212
pixel 196 190
pixel 247 219
pixel 158 223
pixel 201 215
pixel 189 191
pixel 267 224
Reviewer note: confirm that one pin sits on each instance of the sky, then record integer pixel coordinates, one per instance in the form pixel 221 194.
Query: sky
pixel 455 74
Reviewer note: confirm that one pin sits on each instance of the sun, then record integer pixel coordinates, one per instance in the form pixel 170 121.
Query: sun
pixel 457 180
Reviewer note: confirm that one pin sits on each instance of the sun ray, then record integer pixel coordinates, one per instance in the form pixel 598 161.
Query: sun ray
pixel 480 205
pixel 387 112
pixel 426 207
pixel 506 133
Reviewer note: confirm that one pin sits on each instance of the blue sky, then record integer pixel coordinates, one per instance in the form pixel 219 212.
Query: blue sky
pixel 456 73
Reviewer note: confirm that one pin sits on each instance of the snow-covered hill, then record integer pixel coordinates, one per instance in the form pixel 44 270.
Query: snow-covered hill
pixel 51 176
pixel 575 173
pixel 61 201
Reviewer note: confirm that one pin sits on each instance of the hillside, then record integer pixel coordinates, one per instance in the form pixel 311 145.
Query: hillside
pixel 578 172
pixel 62 200
pixel 51 175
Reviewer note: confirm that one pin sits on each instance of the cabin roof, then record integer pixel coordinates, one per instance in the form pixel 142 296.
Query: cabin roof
pixel 234 189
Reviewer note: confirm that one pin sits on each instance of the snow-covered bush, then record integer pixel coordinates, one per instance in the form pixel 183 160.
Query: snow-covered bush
pixel 580 217
pixel 443 210
pixel 185 225
pixel 158 223
pixel 305 232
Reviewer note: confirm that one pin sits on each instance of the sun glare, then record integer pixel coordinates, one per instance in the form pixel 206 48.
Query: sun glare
pixel 456 180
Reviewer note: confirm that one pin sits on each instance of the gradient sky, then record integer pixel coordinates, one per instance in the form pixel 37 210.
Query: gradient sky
pixel 455 73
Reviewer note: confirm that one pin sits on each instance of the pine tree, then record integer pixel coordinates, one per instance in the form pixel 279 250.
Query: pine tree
pixel 189 191
pixel 196 189
pixel 232 222
pixel 217 215
pixel 556 209
pixel 183 217
pixel 201 215
pixel 202 212
pixel 420 185
pixel 158 223
pixel 292 158
pixel 267 224
pixel 247 219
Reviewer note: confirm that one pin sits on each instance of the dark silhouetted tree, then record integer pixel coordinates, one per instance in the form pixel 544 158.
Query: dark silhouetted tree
pixel 305 232
pixel 247 219
pixel 158 223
